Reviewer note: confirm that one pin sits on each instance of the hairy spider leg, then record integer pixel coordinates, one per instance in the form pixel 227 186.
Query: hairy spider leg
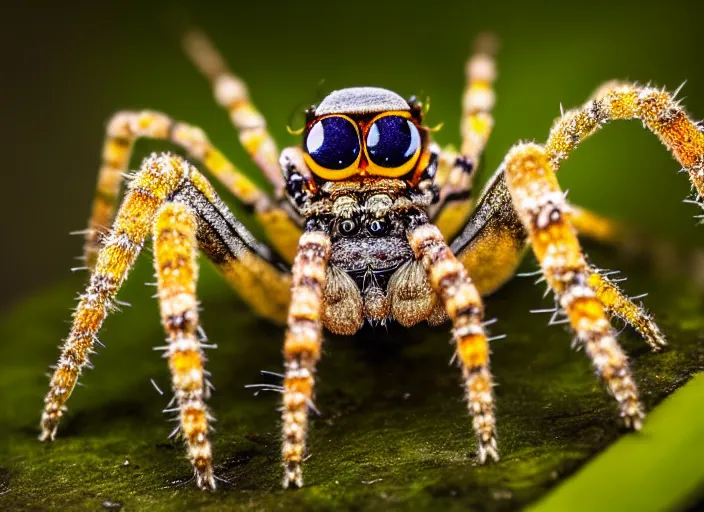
pixel 463 304
pixel 657 109
pixel 494 241
pixel 162 199
pixel 231 93
pixel 122 132
pixel 629 240
pixel 147 192
pixel 542 208
pixel 633 242
pixel 302 346
pixel 662 115
pixel 176 265
pixel 617 303
pixel 456 171
pixel 487 232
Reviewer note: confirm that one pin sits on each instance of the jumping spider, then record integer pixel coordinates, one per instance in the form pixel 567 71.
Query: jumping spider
pixel 358 226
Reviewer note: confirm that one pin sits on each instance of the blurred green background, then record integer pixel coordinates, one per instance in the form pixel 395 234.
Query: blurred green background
pixel 66 69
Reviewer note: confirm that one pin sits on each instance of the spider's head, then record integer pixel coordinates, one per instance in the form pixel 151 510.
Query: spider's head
pixel 365 132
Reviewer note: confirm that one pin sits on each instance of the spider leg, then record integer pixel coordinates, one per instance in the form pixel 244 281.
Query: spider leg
pixel 661 114
pixel 249 267
pixel 175 262
pixel 302 346
pixel 171 200
pixel 456 171
pixel 123 131
pixel 543 210
pixel 231 93
pixel 630 241
pixel 657 109
pixel 617 303
pixel 633 243
pixel 148 191
pixel 462 302
pixel 494 241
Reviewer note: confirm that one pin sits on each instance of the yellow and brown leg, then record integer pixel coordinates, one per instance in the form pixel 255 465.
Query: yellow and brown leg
pixel 657 109
pixel 456 171
pixel 123 131
pixel 171 200
pixel 666 118
pixel 302 348
pixel 542 208
pixel 632 242
pixel 176 266
pixel 232 94
pixel 491 229
pixel 461 300
pixel 158 178
pixel 493 243
pixel 635 315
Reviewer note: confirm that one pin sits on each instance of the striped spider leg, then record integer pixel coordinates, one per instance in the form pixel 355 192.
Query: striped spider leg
pixel 125 127
pixel 302 345
pixel 456 170
pixel 462 302
pixel 171 201
pixel 530 176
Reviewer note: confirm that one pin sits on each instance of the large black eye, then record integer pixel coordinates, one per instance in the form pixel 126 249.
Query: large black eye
pixel 333 143
pixel 392 141
pixel 348 227
pixel 378 227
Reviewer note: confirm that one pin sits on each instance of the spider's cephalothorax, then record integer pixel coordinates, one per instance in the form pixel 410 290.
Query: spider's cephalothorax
pixel 368 176
pixel 358 227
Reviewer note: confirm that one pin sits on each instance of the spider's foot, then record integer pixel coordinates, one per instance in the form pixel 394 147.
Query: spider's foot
pixel 293 476
pixel 481 406
pixel 204 475
pixel 633 416
pixel 488 449
pixel 49 425
pixel 655 338
pixel 626 395
pixel 650 332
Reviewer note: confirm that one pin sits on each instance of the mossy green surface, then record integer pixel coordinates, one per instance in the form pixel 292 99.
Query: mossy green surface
pixel 394 431
pixel 668 475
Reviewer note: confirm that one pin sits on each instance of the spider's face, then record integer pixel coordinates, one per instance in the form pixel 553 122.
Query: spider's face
pixel 369 168
pixel 364 131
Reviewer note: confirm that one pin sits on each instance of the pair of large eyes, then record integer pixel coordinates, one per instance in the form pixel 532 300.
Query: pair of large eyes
pixel 333 146
pixel 375 227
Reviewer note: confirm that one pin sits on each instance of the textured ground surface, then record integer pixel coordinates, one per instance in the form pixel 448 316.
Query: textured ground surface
pixel 393 434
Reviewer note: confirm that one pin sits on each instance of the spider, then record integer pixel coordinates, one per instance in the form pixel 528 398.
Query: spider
pixel 358 225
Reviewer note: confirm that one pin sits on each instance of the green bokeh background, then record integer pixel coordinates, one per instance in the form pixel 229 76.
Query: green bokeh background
pixel 67 68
